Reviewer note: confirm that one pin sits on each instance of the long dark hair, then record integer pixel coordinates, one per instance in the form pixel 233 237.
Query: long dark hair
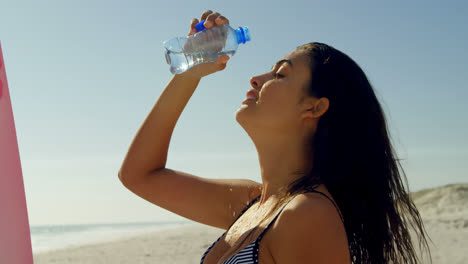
pixel 354 158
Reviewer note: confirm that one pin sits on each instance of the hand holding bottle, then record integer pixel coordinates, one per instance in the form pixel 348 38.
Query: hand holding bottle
pixel 211 20
pixel 211 42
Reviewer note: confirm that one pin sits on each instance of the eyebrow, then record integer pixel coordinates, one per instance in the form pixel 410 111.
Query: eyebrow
pixel 282 61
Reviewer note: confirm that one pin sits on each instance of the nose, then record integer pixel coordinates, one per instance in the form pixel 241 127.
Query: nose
pixel 254 82
pixel 258 81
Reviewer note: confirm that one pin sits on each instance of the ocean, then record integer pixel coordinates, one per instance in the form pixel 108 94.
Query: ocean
pixel 51 237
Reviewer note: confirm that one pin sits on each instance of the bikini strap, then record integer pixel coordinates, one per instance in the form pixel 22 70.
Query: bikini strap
pixel 337 209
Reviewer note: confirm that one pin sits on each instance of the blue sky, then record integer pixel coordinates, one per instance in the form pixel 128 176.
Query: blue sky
pixel 83 75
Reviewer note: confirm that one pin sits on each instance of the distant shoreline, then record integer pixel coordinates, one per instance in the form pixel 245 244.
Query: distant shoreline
pixel 46 238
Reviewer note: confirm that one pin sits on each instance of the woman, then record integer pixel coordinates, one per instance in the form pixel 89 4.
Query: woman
pixel 331 190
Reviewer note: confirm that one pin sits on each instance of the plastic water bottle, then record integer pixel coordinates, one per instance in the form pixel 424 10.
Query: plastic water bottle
pixel 207 45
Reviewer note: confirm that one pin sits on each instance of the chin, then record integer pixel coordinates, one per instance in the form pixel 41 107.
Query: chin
pixel 240 116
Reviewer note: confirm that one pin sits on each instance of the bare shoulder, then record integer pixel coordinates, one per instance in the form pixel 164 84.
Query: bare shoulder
pixel 310 228
pixel 307 209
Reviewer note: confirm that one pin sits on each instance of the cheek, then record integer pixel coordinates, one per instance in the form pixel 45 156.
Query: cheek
pixel 274 95
pixel 270 93
pixel 276 103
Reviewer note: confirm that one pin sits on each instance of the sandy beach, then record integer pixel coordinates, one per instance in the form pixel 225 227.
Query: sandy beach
pixel 176 245
pixel 444 211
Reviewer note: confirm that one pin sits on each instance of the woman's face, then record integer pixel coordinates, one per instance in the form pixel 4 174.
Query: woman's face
pixel 279 92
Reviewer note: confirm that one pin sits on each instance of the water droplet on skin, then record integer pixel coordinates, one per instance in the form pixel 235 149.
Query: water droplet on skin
pixel 230 189
pixel 233 213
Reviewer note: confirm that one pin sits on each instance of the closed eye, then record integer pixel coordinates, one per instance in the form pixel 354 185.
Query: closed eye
pixel 277 75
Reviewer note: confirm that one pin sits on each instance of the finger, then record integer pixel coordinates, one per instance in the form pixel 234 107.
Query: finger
pixel 222 67
pixel 210 19
pixel 193 29
pixel 221 20
pixel 205 14
pixel 221 63
pixel 222 60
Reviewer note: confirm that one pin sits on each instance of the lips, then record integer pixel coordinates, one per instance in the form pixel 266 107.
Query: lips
pixel 252 94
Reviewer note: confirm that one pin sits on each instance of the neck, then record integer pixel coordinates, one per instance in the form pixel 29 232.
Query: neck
pixel 281 164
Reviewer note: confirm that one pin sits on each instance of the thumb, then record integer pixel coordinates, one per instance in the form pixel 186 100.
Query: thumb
pixel 221 61
pixel 205 69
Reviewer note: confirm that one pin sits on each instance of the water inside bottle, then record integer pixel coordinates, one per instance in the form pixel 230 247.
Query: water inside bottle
pixel 183 61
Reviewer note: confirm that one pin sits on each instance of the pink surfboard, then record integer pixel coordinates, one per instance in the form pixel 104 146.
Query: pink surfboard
pixel 15 239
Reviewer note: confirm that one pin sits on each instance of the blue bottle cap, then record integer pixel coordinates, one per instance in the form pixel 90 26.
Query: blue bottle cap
pixel 243 35
pixel 246 34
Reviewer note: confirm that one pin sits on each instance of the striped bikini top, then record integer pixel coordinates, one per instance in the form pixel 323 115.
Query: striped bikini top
pixel 249 255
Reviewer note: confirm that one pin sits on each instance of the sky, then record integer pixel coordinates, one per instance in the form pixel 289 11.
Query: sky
pixel 83 75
